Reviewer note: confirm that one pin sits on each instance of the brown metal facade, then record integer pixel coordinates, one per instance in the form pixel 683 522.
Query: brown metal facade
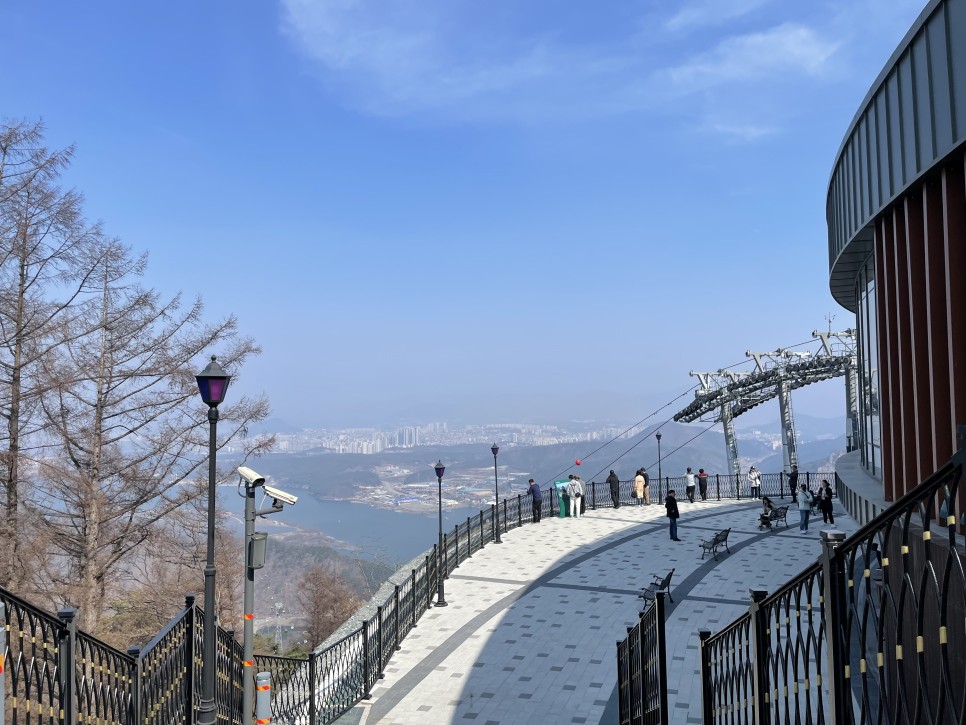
pixel 897 204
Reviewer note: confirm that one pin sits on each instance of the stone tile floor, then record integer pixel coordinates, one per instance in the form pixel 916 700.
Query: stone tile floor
pixel 530 631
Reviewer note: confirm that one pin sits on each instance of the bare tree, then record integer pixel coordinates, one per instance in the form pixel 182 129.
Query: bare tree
pixel 127 432
pixel 46 251
pixel 326 601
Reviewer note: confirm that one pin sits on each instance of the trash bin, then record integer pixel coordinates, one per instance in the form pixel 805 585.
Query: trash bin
pixel 563 498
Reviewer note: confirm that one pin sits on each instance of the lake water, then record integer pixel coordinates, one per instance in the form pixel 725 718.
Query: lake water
pixel 384 534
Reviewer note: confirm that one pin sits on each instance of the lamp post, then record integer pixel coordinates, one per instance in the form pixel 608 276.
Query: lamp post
pixel 440 594
pixel 212 384
pixel 660 480
pixel 496 486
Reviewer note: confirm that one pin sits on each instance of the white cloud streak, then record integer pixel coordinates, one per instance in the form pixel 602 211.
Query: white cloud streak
pixel 401 57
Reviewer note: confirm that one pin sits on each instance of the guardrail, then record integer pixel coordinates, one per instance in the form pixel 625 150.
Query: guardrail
pixel 872 632
pixel 642 669
pixel 54 669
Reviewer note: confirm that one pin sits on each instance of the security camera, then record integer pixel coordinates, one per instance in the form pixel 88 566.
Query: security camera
pixel 280 495
pixel 250 476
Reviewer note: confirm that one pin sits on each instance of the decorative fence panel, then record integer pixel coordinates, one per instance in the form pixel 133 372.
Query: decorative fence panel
pixel 872 632
pixel 642 669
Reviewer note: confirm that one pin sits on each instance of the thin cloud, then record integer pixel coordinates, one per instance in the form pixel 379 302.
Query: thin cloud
pixel 398 57
pixel 707 13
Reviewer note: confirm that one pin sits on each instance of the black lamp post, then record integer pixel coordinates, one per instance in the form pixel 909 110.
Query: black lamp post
pixel 660 480
pixel 212 384
pixel 496 485
pixel 440 594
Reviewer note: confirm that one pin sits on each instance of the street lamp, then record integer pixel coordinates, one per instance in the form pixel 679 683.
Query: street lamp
pixel 660 484
pixel 212 384
pixel 440 594
pixel 496 485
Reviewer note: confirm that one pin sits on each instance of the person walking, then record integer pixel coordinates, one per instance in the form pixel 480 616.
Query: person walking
pixel 647 487
pixel 804 508
pixel 639 487
pixel 671 504
pixel 615 488
pixel 689 485
pixel 703 484
pixel 536 499
pixel 754 482
pixel 825 502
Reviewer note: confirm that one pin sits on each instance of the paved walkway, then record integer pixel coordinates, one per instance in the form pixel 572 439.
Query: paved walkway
pixel 530 632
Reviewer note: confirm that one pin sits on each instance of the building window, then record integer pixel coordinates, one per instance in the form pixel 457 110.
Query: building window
pixel 870 442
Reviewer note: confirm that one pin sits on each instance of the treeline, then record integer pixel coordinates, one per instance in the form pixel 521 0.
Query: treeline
pixel 103 455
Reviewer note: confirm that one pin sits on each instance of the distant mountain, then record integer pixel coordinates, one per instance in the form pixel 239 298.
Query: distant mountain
pixel 808 427
pixel 272 425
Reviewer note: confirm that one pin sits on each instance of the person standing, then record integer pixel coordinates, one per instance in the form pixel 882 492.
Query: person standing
pixel 793 481
pixel 671 504
pixel 581 491
pixel 703 484
pixel 647 487
pixel 689 485
pixel 572 495
pixel 754 482
pixel 536 499
pixel 804 508
pixel 639 487
pixel 825 502
pixel 615 488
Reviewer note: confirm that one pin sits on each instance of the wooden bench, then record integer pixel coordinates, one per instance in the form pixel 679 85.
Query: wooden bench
pixel 659 583
pixel 777 514
pixel 712 544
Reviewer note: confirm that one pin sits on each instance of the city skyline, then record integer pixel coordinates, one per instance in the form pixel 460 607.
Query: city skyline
pixel 550 211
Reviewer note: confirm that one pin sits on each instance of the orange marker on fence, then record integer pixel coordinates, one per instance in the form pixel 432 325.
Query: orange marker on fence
pixel 263 698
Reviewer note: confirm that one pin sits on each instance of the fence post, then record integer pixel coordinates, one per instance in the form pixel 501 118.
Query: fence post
pixel 3 647
pixel 707 687
pixel 835 613
pixel 135 679
pixel 66 666
pixel 482 542
pixel 412 595
pixel 759 665
pixel 661 655
pixel 781 484
pixel 396 615
pixel 738 485
pixel 456 554
pixel 519 512
pixel 426 578
pixel 717 483
pixel 313 684
pixel 189 659
pixel 365 660
pixel 469 536
pixel 445 566
pixel 380 631
pixel 593 496
pixel 504 529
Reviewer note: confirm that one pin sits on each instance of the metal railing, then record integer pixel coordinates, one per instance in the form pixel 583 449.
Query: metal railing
pixel 642 669
pixel 56 673
pixel 872 632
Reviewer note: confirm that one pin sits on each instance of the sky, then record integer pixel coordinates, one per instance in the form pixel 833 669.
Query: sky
pixel 452 210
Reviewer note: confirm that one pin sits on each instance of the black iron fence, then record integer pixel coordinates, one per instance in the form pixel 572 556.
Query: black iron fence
pixel 872 632
pixel 642 669
pixel 58 674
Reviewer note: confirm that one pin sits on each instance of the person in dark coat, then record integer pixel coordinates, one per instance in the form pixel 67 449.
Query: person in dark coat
pixel 825 502
pixel 793 481
pixel 671 504
pixel 703 484
pixel 615 488
pixel 536 498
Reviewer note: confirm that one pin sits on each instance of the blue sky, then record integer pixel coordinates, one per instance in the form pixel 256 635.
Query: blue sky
pixel 495 211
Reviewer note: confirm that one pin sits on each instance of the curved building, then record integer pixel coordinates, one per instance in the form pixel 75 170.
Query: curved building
pixel 896 214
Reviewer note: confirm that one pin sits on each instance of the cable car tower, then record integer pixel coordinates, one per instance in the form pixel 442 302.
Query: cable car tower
pixel 726 394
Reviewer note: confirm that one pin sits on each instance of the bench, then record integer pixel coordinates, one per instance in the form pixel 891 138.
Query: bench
pixel 712 544
pixel 775 515
pixel 659 583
